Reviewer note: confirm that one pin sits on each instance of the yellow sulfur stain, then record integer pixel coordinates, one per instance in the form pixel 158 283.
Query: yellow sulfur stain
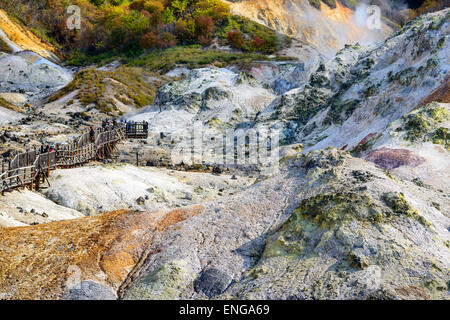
pixel 25 39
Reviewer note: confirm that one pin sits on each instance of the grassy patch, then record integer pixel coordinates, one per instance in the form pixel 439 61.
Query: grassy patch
pixel 128 85
pixel 79 58
pixel 193 57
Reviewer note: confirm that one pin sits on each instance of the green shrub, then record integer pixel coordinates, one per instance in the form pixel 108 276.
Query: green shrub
pixel 127 28
pixel 315 3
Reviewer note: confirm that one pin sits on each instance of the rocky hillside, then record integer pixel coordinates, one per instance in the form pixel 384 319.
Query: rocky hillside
pixel 346 102
pixel 330 227
pixel 359 208
pixel 345 227
pixel 28 66
pixel 359 92
pixel 327 25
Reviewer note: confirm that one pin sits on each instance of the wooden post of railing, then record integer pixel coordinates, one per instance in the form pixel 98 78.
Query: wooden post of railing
pixel 33 180
pixel 48 163
pixel 101 144
pixel 56 158
pixel 38 173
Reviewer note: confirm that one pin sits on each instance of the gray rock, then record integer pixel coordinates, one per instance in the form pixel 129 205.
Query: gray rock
pixel 90 290
pixel 140 200
pixel 212 282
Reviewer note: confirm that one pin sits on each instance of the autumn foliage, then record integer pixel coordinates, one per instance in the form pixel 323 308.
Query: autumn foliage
pixel 429 6
pixel 133 26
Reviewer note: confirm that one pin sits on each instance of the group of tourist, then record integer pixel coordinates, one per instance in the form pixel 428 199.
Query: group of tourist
pixel 132 126
pixel 107 125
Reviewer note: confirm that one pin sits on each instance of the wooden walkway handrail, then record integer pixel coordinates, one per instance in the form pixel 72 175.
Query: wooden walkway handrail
pixel 30 168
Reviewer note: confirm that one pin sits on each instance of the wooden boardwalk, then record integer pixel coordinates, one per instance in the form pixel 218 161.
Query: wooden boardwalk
pixel 137 130
pixel 30 169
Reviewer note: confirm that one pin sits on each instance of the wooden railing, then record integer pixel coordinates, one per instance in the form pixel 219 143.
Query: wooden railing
pixel 30 168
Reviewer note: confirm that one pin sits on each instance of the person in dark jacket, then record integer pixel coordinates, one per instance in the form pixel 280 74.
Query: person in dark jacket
pixel 91 134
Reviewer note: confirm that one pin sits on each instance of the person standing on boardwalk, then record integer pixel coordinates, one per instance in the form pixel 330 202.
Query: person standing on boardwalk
pixel 91 134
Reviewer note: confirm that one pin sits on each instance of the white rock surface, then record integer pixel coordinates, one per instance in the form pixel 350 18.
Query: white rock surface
pixel 103 188
pixel 208 94
pixel 38 77
pixel 8 116
pixel 363 89
pixel 23 207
